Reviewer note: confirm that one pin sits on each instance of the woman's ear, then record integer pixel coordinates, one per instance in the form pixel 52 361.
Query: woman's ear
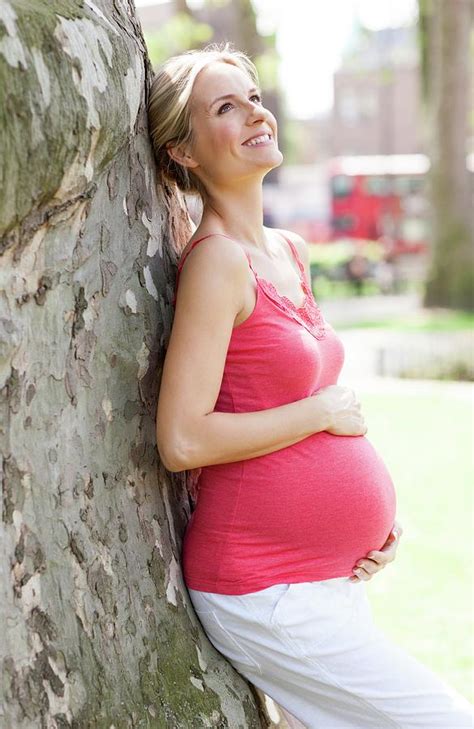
pixel 179 155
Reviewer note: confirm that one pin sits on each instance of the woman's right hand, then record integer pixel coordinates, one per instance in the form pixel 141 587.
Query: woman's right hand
pixel 341 410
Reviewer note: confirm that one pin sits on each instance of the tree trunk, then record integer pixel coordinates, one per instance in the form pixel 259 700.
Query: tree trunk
pixel 447 65
pixel 98 629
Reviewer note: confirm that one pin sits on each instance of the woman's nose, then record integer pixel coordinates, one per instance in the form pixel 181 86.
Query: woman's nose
pixel 257 111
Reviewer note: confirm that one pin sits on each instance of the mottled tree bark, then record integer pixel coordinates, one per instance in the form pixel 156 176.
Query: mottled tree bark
pixel 97 626
pixel 447 69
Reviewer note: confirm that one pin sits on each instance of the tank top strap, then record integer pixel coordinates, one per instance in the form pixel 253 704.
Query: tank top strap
pixel 194 243
pixel 295 255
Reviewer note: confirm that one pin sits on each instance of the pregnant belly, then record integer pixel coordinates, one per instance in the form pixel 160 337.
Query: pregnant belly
pixel 336 488
pixel 328 496
pixel 323 502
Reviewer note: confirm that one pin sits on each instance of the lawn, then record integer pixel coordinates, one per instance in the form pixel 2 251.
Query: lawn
pixel 423 600
pixel 422 320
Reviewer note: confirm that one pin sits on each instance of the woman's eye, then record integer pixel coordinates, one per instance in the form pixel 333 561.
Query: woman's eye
pixel 254 96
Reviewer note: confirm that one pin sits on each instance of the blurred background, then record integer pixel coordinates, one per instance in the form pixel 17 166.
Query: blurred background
pixel 374 102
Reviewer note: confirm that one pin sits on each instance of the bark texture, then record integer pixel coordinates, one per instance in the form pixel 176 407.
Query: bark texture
pixel 98 629
pixel 447 29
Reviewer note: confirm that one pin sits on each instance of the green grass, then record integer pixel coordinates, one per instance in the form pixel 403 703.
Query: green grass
pixel 428 320
pixel 423 600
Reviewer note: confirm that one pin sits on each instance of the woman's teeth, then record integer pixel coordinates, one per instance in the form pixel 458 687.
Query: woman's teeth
pixel 258 140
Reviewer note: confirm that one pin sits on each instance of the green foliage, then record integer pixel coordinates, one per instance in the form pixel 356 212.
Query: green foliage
pixel 328 255
pixel 423 39
pixel 386 76
pixel 178 34
pixel 267 68
pixel 327 289
pixel 291 140
pixel 456 369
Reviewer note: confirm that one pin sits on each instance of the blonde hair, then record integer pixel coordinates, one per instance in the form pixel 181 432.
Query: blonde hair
pixel 169 110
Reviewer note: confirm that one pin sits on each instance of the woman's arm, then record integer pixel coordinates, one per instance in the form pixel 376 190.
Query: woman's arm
pixel 189 433
pixel 227 437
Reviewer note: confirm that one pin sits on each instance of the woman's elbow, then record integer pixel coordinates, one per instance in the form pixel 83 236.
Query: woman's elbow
pixel 172 456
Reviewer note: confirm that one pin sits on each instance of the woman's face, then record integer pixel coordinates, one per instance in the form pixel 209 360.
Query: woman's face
pixel 222 126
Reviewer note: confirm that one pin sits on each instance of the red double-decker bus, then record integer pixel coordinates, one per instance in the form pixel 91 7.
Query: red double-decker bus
pixel 380 197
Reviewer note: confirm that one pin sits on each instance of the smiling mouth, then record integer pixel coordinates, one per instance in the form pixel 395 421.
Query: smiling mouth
pixel 258 141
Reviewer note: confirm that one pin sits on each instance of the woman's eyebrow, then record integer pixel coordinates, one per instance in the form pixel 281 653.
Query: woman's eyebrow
pixel 230 96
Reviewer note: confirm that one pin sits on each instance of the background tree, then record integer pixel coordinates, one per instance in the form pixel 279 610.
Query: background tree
pixel 446 34
pixel 97 629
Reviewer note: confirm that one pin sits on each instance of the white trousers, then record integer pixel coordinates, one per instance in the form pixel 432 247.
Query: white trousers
pixel 314 649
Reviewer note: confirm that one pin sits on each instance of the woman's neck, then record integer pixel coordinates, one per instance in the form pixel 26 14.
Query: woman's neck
pixel 237 213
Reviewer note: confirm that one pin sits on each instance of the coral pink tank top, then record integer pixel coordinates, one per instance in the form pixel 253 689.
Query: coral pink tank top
pixel 305 512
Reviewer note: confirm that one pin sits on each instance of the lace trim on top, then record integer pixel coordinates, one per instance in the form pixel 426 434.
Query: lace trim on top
pixel 308 314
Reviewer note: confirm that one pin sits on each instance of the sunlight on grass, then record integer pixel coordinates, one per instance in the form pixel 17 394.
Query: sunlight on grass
pixel 423 600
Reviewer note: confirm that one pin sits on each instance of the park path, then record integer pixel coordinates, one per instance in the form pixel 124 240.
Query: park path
pixel 371 352
pixel 349 311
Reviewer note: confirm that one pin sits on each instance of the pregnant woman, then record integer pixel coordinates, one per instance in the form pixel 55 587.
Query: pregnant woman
pixel 295 509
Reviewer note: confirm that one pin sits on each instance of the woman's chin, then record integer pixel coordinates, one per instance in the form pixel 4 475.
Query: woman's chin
pixel 276 163
pixel 281 159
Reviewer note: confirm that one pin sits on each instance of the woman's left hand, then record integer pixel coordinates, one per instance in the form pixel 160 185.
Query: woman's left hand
pixel 378 559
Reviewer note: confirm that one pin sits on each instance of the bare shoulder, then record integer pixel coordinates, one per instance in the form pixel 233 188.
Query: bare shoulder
pixel 216 267
pixel 214 251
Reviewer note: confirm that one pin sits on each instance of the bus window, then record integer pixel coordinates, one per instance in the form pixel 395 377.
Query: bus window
pixel 405 185
pixel 342 185
pixel 378 185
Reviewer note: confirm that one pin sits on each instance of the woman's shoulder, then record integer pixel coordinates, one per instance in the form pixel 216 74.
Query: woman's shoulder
pixel 213 249
pixel 210 239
